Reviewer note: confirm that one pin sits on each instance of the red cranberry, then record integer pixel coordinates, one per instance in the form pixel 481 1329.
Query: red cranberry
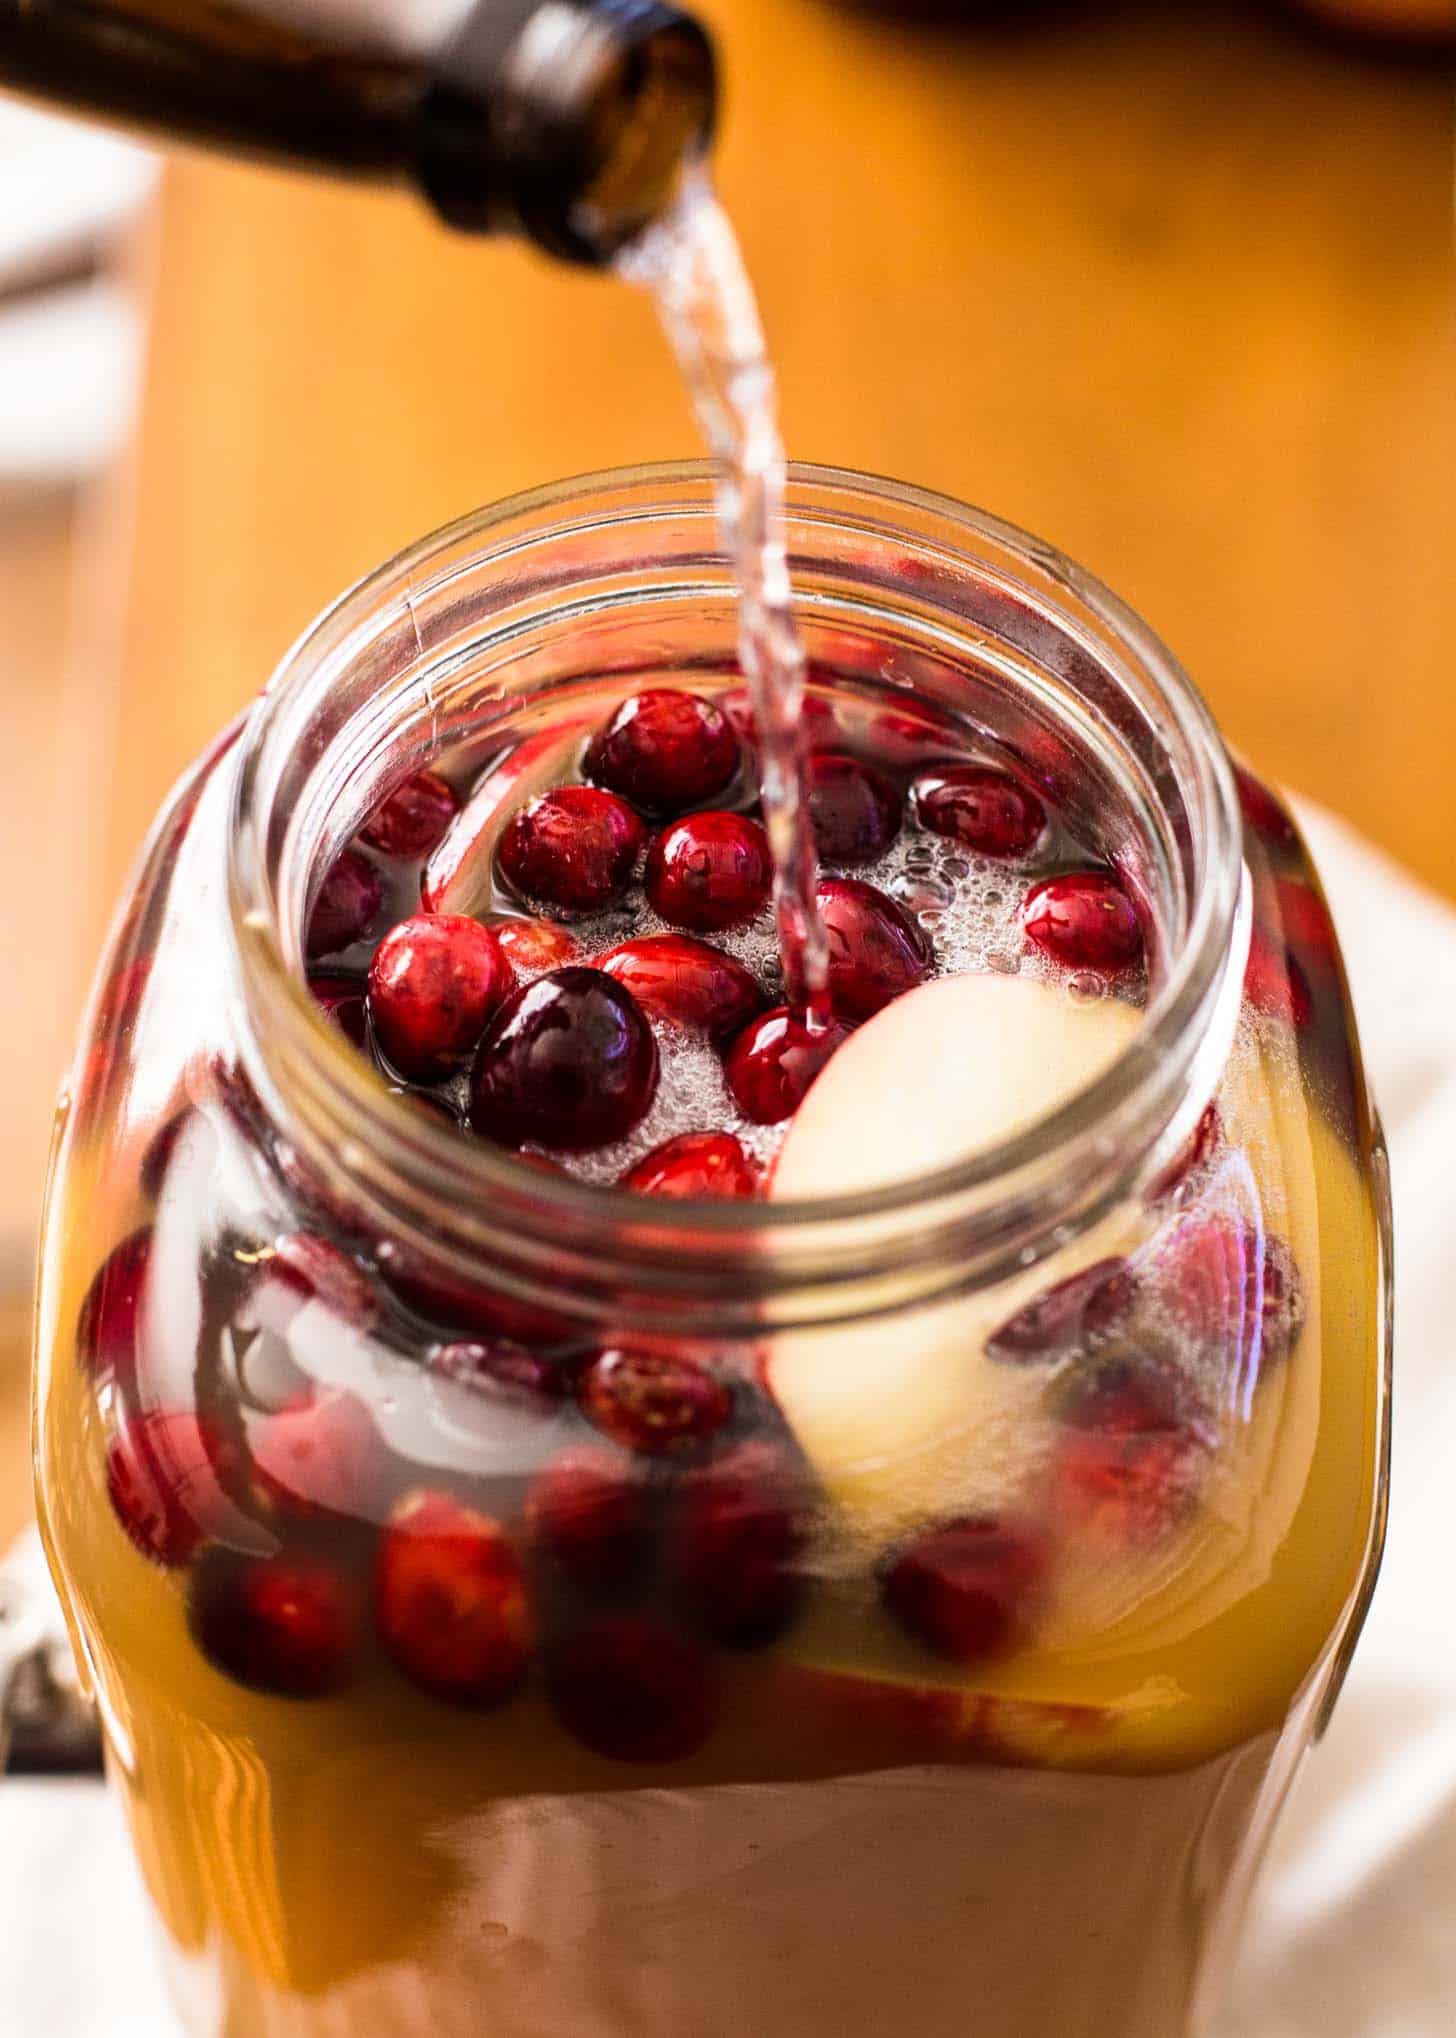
pixel 966 1588
pixel 665 751
pixel 1084 920
pixel 1127 1464
pixel 629 1688
pixel 508 1371
pixel 1224 1281
pixel 162 1482
pixel 738 1534
pixel 304 1268
pixel 568 1062
pixel 287 1624
pixel 576 847
pixel 684 982
pixel 774 1060
pixel 319 1454
pixel 854 809
pixel 341 999
pixel 531 946
pixel 655 1402
pixel 1074 1315
pixel 986 810
pixel 709 871
pixel 1274 983
pixel 703 1164
pixel 347 905
pixel 413 819
pixel 434 981
pixel 450 1601
pixel 1198 1150
pixel 106 1329
pixel 876 951
pixel 587 1511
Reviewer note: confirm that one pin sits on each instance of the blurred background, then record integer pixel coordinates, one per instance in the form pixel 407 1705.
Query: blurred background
pixel 1171 284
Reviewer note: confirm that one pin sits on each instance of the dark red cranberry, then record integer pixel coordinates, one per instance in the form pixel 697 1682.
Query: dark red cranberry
pixel 665 751
pixel 341 999
pixel 575 847
pixel 304 1268
pixel 738 1534
pixel 709 871
pixel 450 1601
pixel 713 1165
pixel 1128 1461
pixel 319 1454
pixel 587 1511
pixel 986 810
pixel 413 819
pixel 685 982
pixel 1074 1315
pixel 568 1062
pixel 160 1148
pixel 434 981
pixel 655 1402
pixel 531 946
pixel 347 905
pixel 1226 1282
pixel 967 1588
pixel 287 1624
pixel 161 1476
pixel 854 809
pixel 876 951
pixel 630 1688
pixel 106 1329
pixel 1263 811
pixel 1274 983
pixel 507 1371
pixel 774 1060
pixel 1084 920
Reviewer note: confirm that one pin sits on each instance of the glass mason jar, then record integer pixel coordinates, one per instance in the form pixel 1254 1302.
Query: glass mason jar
pixel 710 1785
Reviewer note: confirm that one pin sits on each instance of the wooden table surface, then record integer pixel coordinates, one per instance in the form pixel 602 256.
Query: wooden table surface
pixel 1170 285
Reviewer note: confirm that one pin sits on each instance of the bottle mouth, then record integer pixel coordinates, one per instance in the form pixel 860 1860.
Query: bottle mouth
pixel 501 614
pixel 569 120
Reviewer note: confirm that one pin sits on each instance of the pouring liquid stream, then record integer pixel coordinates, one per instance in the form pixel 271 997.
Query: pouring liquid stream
pixel 692 266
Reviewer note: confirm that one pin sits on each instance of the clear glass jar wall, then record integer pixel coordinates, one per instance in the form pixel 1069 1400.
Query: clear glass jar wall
pixel 671 1797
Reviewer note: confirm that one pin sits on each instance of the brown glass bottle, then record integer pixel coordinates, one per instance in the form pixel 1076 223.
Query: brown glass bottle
pixel 565 120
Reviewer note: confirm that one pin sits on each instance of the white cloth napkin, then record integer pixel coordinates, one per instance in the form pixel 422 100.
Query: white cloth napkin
pixel 1350 1935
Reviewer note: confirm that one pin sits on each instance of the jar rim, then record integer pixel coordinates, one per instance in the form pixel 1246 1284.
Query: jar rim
pixel 1083 1140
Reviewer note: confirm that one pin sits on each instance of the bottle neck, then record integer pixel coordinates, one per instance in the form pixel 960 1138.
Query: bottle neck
pixel 565 120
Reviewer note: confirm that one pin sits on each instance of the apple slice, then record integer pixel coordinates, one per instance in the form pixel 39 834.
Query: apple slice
pixel 902 1416
pixel 460 875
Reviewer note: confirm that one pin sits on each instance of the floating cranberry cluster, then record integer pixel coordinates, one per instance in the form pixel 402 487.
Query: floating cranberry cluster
pixel 560 1044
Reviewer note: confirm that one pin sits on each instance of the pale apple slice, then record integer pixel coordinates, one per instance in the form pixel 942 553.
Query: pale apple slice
pixel 902 1416
pixel 459 875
